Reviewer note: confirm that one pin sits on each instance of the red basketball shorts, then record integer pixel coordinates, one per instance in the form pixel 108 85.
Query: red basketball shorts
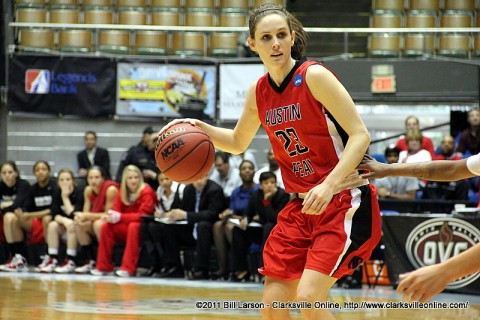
pixel 36 235
pixel 334 243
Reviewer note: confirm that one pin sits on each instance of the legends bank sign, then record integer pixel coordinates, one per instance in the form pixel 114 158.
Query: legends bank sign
pixel 43 81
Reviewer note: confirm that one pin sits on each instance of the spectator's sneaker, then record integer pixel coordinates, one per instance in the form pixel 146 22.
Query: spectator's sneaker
pixel 17 264
pixel 86 268
pixel 45 261
pixel 47 267
pixel 68 266
pixel 122 273
pixel 96 272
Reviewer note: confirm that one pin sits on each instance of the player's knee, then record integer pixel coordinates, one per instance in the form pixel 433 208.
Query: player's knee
pixel 53 226
pixel 9 218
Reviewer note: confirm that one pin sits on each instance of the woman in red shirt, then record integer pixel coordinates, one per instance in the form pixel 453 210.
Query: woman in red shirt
pixel 136 198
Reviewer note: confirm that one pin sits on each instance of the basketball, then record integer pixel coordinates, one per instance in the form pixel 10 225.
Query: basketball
pixel 184 153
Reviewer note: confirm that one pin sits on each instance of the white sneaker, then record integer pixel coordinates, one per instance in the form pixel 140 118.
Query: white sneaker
pixel 45 261
pixel 16 264
pixel 86 268
pixel 68 266
pixel 96 272
pixel 122 273
pixel 47 267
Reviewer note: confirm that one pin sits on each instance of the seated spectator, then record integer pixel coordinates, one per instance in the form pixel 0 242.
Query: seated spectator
pixel 225 175
pixel 263 208
pixel 446 150
pixel 32 218
pixel 142 156
pixel 202 201
pixel 222 230
pixel 414 153
pixel 272 166
pixel 469 142
pixel 92 155
pixel 98 197
pixel 67 200
pixel 454 190
pixel 396 187
pixel 13 191
pixel 169 195
pixel 412 122
pixel 135 198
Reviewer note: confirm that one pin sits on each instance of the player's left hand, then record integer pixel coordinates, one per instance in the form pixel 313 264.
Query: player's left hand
pixel 317 199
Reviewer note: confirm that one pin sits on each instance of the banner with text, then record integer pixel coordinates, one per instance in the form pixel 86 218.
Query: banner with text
pixel 166 90
pixel 235 79
pixel 77 86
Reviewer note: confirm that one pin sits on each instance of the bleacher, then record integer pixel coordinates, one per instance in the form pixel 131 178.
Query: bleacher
pixel 440 14
pixel 116 26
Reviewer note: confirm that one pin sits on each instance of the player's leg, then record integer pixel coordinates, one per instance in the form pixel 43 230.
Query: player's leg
pixel 277 290
pixel 314 287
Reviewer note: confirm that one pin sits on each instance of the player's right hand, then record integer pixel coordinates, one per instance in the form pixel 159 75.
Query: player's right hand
pixel 192 121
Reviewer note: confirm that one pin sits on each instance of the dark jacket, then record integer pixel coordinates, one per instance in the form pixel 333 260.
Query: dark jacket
pixel 212 202
pixel 18 194
pixel 269 212
pixel 101 159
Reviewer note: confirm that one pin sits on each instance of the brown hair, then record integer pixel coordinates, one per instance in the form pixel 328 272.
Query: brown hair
pixel 300 46
pixel 414 134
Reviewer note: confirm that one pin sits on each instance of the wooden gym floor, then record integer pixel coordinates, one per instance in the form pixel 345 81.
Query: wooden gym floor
pixel 82 297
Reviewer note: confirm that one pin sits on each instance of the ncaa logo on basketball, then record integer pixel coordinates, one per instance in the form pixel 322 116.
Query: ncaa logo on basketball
pixel 37 81
pixel 436 240
pixel 172 148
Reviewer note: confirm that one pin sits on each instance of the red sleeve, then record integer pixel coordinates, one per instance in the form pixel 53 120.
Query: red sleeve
pixel 118 204
pixel 428 145
pixel 144 204
pixel 402 144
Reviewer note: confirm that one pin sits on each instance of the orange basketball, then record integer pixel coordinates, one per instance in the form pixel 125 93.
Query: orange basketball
pixel 184 153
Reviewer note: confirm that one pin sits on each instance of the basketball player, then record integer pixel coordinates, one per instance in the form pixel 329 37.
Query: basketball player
pixel 424 283
pixel 318 138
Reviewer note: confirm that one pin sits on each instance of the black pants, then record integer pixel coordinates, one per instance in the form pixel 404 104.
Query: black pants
pixel 172 237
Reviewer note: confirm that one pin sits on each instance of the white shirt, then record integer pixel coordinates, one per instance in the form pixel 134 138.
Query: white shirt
pixel 421 156
pixel 230 182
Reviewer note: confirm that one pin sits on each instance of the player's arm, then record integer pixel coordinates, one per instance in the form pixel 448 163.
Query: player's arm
pixel 326 89
pixel 330 92
pixel 438 170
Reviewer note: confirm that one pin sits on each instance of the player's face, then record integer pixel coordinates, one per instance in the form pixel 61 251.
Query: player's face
pixel 246 172
pixel 273 40
pixel 41 172
pixel 8 175
pixel 95 179
pixel 65 180
pixel 133 181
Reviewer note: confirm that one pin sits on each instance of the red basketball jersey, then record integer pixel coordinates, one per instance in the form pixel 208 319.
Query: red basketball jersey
pixel 306 141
